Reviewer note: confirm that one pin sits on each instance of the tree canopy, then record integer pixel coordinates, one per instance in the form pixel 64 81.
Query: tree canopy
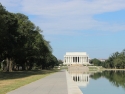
pixel 116 60
pixel 95 62
pixel 22 44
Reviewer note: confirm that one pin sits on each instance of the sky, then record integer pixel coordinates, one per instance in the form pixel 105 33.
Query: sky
pixel 93 26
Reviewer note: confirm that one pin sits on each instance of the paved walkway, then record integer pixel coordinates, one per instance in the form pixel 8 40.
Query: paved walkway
pixel 57 83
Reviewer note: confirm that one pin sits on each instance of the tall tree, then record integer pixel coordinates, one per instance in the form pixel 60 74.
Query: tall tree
pixel 22 43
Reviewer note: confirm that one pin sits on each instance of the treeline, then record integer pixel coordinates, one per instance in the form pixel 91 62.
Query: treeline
pixel 22 45
pixel 116 60
pixel 96 62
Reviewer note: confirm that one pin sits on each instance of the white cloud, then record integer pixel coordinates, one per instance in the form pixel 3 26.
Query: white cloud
pixel 10 3
pixel 66 16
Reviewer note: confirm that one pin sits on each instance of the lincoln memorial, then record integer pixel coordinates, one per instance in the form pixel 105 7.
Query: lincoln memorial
pixel 72 58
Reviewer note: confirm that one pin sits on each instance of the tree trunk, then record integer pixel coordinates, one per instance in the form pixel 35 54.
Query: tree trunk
pixel 6 65
pixel 10 65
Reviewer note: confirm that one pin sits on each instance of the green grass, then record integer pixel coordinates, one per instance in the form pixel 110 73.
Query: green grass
pixel 14 80
pixel 93 68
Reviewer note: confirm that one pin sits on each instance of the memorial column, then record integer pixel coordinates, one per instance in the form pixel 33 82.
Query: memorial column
pixel 69 59
pixel 82 59
pixel 72 59
pixel 66 59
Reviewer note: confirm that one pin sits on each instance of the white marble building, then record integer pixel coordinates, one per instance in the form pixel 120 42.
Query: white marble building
pixel 76 58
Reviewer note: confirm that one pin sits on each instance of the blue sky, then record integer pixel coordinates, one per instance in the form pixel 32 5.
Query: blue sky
pixel 93 26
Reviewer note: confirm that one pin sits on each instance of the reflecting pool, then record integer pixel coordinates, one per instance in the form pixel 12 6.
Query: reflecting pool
pixel 106 82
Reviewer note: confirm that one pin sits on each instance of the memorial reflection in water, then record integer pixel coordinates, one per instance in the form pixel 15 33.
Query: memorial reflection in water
pixel 81 78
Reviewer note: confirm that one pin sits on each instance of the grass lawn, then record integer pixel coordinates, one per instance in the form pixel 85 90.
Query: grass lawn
pixel 13 80
pixel 93 68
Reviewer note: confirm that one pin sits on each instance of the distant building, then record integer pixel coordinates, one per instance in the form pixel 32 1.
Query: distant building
pixel 71 58
pixel 102 60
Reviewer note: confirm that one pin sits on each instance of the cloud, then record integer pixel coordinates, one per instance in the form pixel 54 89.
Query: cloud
pixel 68 16
pixel 71 7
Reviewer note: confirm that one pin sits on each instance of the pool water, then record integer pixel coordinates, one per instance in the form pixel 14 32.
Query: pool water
pixel 107 82
pixel 101 86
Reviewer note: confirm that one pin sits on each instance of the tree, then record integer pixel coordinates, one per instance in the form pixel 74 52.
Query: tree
pixel 8 38
pixel 22 43
pixel 116 60
pixel 60 62
pixel 95 62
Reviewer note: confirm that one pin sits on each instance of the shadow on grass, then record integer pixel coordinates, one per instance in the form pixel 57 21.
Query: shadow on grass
pixel 22 74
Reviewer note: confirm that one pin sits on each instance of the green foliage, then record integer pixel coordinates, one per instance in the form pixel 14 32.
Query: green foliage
pixel 22 44
pixel 60 62
pixel 116 60
pixel 95 62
